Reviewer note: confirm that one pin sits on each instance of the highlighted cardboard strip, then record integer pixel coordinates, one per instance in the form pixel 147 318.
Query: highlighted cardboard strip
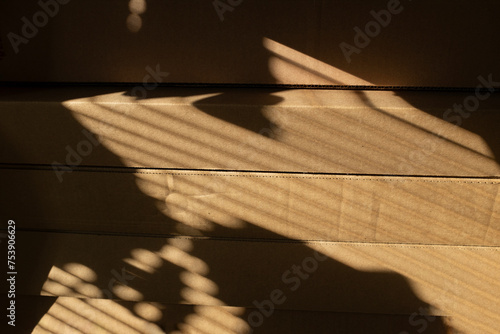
pixel 355 132
pixel 454 211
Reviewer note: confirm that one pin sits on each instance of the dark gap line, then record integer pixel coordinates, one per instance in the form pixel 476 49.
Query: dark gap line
pixel 128 169
pixel 238 239
pixel 248 85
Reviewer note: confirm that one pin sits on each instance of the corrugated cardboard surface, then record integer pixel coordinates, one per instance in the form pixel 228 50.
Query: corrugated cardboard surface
pixel 456 281
pixel 426 43
pixel 356 132
pixel 213 319
pixel 264 205
pixel 203 203
pixel 142 209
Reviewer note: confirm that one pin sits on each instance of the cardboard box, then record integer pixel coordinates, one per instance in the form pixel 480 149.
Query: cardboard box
pixel 163 176
pixel 303 204
pixel 207 317
pixel 373 43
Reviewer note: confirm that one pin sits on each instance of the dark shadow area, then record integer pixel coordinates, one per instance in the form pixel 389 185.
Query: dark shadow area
pixel 247 115
pixel 194 46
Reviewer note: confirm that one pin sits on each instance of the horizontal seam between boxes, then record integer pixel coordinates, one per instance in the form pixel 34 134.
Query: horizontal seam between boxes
pixel 277 241
pixel 246 173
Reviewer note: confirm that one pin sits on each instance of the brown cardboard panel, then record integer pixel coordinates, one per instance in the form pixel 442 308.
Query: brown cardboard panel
pixel 42 314
pixel 408 133
pixel 456 281
pixel 65 313
pixel 258 42
pixel 259 205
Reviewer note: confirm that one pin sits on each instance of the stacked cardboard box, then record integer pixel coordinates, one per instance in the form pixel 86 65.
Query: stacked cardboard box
pixel 189 167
